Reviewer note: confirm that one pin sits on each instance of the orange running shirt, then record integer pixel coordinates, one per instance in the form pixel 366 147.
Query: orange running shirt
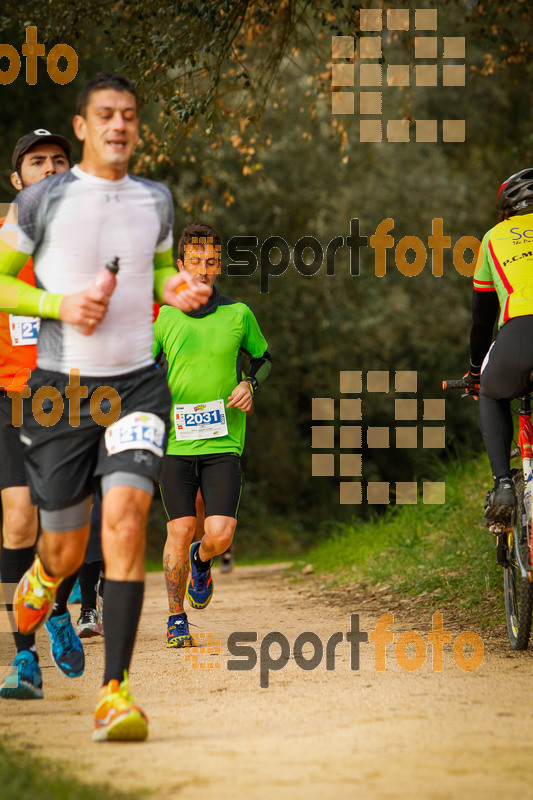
pixel 18 341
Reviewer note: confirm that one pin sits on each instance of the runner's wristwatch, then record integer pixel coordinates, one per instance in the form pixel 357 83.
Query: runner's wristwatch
pixel 254 386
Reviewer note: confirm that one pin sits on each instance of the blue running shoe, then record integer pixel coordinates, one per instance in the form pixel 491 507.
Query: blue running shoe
pixel 178 631
pixel 66 646
pixel 75 595
pixel 200 586
pixel 24 681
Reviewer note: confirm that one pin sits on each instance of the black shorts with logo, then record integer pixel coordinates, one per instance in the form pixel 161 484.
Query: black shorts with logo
pixel 218 475
pixel 66 449
pixel 12 472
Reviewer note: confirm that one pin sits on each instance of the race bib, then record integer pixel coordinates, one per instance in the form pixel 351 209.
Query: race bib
pixel 136 431
pixel 200 421
pixel 23 330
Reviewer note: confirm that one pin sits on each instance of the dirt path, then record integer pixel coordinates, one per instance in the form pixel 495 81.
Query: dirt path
pixel 215 733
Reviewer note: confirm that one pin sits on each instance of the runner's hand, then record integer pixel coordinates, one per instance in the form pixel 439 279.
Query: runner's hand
pixel 87 308
pixel 472 380
pixel 183 291
pixel 241 397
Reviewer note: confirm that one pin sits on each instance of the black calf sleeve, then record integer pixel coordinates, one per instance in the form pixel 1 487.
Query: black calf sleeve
pixel 13 565
pixel 122 610
pixel 63 594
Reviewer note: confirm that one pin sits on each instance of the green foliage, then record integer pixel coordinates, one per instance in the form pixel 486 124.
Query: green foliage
pixel 237 121
pixel 23 776
pixel 441 552
pixel 186 56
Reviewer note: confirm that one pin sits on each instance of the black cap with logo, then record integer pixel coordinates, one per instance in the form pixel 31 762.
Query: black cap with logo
pixel 41 135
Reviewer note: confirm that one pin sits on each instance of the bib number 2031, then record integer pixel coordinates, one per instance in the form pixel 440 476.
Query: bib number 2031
pixel 200 421
pixel 203 417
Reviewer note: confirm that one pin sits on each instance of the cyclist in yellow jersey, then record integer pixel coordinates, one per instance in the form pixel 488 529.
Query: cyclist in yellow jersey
pixel 36 156
pixel 503 282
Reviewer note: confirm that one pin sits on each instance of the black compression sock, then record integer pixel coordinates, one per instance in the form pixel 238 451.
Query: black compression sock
pixel 63 594
pixel 13 565
pixel 122 610
pixel 201 566
pixel 89 575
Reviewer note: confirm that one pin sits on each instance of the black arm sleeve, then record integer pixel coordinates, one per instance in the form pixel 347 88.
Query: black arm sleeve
pixel 260 367
pixel 485 307
pixel 161 361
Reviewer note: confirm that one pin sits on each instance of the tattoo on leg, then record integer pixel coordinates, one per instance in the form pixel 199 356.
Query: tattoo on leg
pixel 176 580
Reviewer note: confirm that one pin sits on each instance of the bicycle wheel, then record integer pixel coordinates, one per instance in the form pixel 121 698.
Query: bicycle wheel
pixel 518 589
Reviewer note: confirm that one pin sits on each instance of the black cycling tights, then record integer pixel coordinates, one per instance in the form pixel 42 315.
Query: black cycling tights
pixel 496 423
pixel 505 376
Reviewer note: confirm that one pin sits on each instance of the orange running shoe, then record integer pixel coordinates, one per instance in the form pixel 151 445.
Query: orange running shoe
pixel 117 716
pixel 34 597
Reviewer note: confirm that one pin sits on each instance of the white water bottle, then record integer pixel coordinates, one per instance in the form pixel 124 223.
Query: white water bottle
pixel 105 281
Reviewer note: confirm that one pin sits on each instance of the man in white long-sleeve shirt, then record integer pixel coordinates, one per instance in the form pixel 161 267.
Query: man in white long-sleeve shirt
pixel 98 409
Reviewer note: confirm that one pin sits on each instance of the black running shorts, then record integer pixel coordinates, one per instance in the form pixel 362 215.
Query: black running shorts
pixel 218 475
pixel 68 448
pixel 12 472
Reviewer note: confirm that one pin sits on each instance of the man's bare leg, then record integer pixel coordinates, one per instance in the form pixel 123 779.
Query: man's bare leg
pixel 19 532
pixel 180 533
pixel 217 538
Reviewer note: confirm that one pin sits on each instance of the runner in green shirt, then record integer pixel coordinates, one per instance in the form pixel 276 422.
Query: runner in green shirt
pixel 203 350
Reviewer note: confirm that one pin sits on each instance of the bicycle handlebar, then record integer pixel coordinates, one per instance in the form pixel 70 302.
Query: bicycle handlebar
pixel 456 384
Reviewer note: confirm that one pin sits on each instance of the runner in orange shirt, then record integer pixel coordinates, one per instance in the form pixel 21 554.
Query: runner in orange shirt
pixel 36 156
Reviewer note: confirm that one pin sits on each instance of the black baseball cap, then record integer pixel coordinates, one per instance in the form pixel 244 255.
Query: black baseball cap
pixel 25 143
